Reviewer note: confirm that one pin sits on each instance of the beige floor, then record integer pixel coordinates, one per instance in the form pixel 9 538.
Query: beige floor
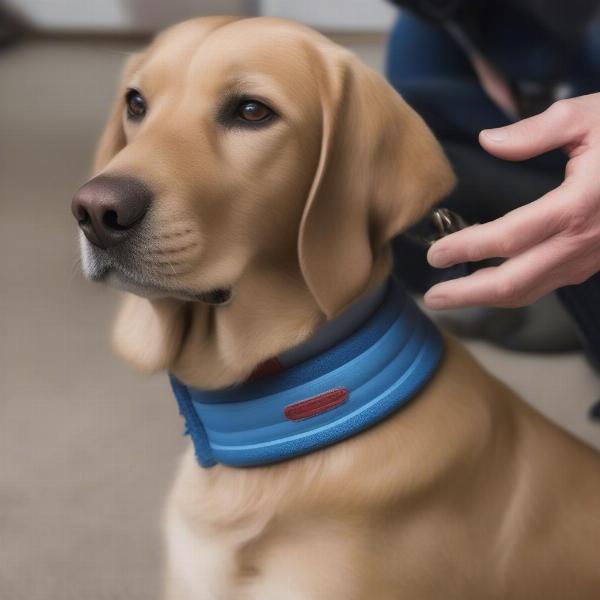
pixel 87 448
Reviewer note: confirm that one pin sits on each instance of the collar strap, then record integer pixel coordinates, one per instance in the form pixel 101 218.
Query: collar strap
pixel 334 395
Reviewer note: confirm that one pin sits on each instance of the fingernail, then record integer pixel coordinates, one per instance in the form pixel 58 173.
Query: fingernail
pixel 434 301
pixel 495 135
pixel 438 258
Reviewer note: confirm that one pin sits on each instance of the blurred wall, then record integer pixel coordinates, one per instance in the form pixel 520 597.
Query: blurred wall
pixel 140 16
pixel 122 15
pixel 335 15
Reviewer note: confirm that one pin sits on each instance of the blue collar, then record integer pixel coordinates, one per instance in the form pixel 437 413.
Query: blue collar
pixel 322 400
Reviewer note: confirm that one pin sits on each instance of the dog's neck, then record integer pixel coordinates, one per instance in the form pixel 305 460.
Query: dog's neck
pixel 334 331
pixel 271 314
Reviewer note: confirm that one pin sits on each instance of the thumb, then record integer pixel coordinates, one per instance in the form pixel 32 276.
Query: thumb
pixel 524 139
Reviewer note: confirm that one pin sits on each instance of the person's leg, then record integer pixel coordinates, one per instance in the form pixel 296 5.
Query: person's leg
pixel 419 51
pixel 431 72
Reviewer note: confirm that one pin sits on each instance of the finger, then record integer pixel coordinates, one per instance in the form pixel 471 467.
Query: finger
pixel 504 237
pixel 517 282
pixel 556 127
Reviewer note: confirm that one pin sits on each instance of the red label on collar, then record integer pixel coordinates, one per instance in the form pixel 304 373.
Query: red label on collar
pixel 315 405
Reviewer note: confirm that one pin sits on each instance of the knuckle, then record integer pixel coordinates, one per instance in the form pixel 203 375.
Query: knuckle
pixel 509 293
pixel 507 246
pixel 562 110
pixel 486 245
pixel 577 222
pixel 577 275
pixel 474 251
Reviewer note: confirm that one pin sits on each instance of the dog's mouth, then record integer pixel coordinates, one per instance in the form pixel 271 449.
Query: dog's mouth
pixel 101 267
pixel 119 280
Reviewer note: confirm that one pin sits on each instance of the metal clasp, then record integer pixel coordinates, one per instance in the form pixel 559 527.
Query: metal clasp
pixel 445 222
pixel 441 222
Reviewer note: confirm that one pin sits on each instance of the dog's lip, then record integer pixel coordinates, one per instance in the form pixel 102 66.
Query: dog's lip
pixel 101 266
pixel 117 278
pixel 218 296
pixel 98 274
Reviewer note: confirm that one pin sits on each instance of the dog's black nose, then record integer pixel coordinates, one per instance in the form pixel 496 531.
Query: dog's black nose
pixel 108 208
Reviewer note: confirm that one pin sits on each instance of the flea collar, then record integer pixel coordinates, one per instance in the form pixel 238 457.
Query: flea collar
pixel 328 397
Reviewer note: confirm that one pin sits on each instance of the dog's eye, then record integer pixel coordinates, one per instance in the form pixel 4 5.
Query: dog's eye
pixel 136 105
pixel 253 111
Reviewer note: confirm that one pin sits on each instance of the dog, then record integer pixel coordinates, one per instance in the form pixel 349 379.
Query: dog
pixel 246 187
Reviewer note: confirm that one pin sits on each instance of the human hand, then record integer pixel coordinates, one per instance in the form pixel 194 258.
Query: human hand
pixel 549 243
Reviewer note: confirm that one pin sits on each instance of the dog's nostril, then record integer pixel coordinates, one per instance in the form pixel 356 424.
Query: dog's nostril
pixel 122 220
pixel 111 220
pixel 83 216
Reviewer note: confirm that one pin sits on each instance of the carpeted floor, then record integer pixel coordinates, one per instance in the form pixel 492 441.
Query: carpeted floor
pixel 87 447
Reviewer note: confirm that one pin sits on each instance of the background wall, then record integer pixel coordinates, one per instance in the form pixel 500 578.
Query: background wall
pixel 122 15
pixel 335 15
pixel 148 15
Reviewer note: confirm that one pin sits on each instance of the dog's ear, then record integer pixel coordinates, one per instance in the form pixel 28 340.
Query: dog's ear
pixel 149 334
pixel 113 136
pixel 380 169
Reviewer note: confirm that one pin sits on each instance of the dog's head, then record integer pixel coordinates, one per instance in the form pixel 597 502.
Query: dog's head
pixel 243 147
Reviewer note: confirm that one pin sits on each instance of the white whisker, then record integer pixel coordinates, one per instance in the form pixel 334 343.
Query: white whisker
pixel 172 268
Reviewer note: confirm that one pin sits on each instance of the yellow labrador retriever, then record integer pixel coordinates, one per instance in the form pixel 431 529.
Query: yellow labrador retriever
pixel 247 185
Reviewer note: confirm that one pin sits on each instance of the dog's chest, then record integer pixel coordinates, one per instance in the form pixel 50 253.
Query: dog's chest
pixel 204 564
pixel 262 561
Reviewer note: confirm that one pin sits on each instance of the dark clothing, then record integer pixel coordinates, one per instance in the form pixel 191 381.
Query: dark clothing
pixel 531 42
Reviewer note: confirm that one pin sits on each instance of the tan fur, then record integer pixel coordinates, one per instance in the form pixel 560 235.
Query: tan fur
pixel 464 494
